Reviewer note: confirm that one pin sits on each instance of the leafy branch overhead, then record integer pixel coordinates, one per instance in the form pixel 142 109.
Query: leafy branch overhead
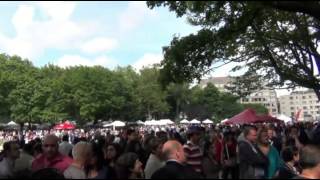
pixel 277 40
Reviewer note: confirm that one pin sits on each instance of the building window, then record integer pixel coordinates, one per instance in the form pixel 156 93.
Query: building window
pixel 305 107
pixel 292 108
pixel 291 97
pixel 310 97
pixel 274 110
pixel 303 97
pixel 311 107
pixel 318 112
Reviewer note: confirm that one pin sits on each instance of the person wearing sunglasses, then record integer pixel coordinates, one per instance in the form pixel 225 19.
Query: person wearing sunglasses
pixel 51 158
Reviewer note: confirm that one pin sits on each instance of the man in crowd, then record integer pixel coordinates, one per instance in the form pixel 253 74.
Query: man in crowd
pixel 192 149
pixel 65 147
pixel 253 163
pixel 155 160
pixel 175 167
pixel 11 154
pixel 51 158
pixel 24 162
pixel 310 162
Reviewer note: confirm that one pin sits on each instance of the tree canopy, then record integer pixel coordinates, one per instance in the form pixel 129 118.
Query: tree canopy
pixel 51 94
pixel 277 40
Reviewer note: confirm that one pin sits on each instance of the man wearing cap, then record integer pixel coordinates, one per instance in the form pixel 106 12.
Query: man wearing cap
pixel 192 149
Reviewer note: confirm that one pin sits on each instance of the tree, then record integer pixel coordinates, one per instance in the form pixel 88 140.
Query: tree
pixel 260 109
pixel 280 43
pixel 151 96
pixel 179 93
pixel 245 85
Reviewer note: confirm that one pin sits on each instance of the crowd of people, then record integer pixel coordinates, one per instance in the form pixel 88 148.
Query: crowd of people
pixel 261 151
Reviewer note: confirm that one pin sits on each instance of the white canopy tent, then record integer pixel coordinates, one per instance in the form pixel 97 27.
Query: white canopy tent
pixel 194 121
pixel 184 121
pixel 140 122
pixel 207 121
pixel 12 123
pixel 284 118
pixel 223 121
pixel 165 122
pixel 151 123
pixel 116 124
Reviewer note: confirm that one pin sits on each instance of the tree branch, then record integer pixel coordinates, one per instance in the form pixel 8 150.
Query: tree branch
pixel 311 8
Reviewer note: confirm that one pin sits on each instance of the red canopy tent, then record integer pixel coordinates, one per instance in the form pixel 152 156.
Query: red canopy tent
pixel 249 116
pixel 65 126
pixel 268 119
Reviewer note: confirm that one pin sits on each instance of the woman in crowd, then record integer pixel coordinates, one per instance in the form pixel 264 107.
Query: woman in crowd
pixel 270 152
pixel 111 154
pixel 290 156
pixel 210 166
pixel 80 153
pixel 229 156
pixel 128 166
pixel 95 168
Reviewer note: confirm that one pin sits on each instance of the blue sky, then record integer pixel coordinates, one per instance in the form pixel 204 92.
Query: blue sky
pixel 88 33
pixel 91 33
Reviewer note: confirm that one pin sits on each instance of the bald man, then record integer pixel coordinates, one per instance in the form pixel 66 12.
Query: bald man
pixel 51 158
pixel 175 167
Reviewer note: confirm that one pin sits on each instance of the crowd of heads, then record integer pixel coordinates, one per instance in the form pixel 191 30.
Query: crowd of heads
pixel 125 153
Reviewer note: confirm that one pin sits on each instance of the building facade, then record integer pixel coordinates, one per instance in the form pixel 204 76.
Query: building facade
pixel 302 103
pixel 219 82
pixel 266 97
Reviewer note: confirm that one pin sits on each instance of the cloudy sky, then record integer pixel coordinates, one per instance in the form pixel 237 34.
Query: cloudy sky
pixel 90 33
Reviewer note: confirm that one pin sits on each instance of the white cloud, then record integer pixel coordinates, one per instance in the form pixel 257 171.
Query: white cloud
pixel 147 60
pixel 98 45
pixel 74 60
pixel 58 31
pixel 134 15
pixel 57 10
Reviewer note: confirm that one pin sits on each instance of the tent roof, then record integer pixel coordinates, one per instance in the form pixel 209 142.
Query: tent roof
pixel 184 121
pixel 65 125
pixel 12 123
pixel 284 118
pixel 194 121
pixel 207 121
pixel 249 116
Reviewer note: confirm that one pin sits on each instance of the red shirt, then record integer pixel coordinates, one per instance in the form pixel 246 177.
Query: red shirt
pixel 219 148
pixel 59 162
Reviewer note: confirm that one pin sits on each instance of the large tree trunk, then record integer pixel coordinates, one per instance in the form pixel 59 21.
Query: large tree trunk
pixel 177 109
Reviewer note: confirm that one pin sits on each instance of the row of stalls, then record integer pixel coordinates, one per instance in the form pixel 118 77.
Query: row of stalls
pixel 246 117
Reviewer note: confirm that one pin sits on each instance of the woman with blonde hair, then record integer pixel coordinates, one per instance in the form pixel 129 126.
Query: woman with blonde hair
pixel 80 152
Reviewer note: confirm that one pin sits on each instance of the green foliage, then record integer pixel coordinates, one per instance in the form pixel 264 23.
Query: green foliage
pixel 260 109
pixel 278 40
pixel 52 94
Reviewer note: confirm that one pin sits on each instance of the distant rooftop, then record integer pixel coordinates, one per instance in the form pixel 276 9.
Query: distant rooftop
pixel 216 80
